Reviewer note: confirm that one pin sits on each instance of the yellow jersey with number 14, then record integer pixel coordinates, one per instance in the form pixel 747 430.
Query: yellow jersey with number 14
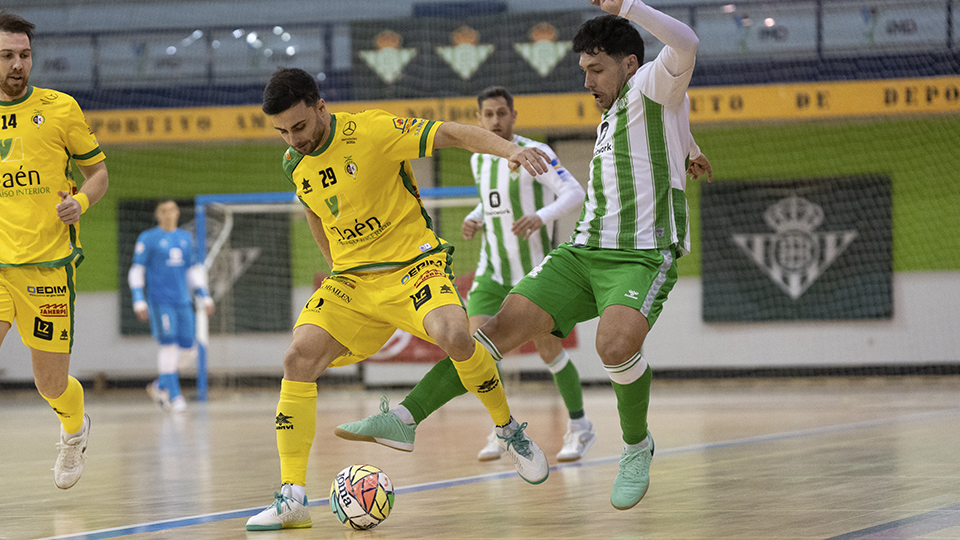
pixel 39 134
pixel 362 187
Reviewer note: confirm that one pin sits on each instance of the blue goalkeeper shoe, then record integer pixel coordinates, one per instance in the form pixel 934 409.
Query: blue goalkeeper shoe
pixel 384 428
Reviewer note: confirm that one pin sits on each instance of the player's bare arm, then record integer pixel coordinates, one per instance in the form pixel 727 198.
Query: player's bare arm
pixel 481 141
pixel 95 183
pixel 316 228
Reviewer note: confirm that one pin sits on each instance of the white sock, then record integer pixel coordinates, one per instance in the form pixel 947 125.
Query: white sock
pixel 639 446
pixel 557 364
pixel 580 424
pixel 403 414
pixel 294 491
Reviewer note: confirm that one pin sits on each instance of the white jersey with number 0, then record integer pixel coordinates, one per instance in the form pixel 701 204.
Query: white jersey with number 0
pixel 506 196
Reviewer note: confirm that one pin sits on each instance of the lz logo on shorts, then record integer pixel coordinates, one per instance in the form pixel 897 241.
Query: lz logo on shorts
pixel 42 329
pixel 421 297
pixel 283 421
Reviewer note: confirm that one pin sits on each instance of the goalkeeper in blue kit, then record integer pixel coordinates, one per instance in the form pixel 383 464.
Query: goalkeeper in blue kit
pixel 166 264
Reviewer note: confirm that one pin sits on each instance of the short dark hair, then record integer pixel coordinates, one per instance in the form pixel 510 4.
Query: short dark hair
pixel 15 24
pixel 611 34
pixel 493 92
pixel 287 87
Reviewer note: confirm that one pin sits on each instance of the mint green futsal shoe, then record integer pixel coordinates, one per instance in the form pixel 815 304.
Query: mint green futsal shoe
pixel 384 428
pixel 634 476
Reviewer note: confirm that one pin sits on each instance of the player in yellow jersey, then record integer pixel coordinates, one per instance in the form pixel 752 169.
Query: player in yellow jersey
pixel 40 206
pixel 390 270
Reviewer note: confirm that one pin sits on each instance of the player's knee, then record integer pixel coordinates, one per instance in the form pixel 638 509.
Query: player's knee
pixel 616 350
pixel 300 363
pixel 459 344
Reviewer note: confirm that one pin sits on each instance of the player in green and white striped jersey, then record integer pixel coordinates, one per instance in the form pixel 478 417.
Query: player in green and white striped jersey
pixel 621 262
pixel 517 214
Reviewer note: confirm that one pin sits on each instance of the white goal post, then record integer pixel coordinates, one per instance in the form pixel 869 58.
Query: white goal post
pixel 274 202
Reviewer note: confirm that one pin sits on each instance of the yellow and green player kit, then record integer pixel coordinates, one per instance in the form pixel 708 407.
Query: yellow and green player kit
pixel 389 267
pixel 362 187
pixel 39 134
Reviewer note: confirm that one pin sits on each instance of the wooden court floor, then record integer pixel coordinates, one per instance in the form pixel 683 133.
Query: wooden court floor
pixel 746 459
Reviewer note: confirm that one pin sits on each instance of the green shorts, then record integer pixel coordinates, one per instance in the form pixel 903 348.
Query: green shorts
pixel 486 296
pixel 576 284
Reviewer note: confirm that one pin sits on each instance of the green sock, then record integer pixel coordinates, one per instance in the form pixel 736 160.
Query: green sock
pixel 632 402
pixel 438 386
pixel 568 382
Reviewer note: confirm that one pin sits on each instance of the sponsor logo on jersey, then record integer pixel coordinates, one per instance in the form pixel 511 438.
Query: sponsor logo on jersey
pixel 422 266
pixel 64 336
pixel 46 290
pixel 337 292
pixel 42 329
pixel 360 229
pixel 21 178
pixel 603 149
pixel 446 289
pixel 316 304
pixel 421 297
pixel 603 131
pixel 305 184
pixel 349 128
pixel 283 421
pixel 53 310
pixel 429 274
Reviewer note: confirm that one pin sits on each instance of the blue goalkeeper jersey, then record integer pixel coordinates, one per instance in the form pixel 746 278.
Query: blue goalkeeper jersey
pixel 166 256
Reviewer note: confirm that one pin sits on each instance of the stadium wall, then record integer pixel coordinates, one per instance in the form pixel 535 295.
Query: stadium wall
pixel 921 334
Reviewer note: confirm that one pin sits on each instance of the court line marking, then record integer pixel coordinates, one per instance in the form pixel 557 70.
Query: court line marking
pixel 176 523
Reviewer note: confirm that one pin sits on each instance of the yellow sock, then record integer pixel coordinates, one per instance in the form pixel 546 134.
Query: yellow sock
pixel 69 406
pixel 296 426
pixel 480 377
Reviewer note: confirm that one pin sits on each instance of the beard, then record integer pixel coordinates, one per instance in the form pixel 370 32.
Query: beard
pixel 13 88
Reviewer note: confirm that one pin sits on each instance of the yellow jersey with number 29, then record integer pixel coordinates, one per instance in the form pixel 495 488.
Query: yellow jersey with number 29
pixel 361 185
pixel 39 134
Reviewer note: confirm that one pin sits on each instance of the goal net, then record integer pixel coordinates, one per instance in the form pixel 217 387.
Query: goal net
pixel 263 263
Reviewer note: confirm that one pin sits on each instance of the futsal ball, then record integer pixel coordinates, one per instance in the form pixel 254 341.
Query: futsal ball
pixel 361 496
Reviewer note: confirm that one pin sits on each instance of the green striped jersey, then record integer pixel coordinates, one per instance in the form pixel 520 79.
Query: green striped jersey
pixel 509 195
pixel 635 196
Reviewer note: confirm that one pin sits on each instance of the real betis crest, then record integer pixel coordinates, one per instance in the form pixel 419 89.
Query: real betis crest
pixel 796 254
pixel 389 59
pixel 544 51
pixel 465 56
